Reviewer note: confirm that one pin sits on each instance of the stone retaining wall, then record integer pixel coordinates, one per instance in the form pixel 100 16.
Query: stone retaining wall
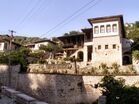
pixel 58 88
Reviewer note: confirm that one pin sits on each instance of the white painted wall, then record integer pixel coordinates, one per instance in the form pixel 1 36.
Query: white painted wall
pixel 37 45
pixel 1 46
pixel 105 33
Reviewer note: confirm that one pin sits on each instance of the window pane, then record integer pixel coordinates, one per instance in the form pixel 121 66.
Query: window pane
pixel 96 30
pixel 108 28
pixel 114 46
pixel 102 29
pixel 114 27
pixel 99 46
pixel 106 46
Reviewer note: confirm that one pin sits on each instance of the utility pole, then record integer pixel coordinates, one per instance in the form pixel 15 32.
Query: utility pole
pixel 9 63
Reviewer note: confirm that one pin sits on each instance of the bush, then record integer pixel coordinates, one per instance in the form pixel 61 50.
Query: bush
pixel 136 54
pixel 4 58
pixel 16 57
pixel 132 69
pixel 115 66
pixel 103 66
pixel 117 92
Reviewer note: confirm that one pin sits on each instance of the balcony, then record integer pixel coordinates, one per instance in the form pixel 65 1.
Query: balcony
pixel 71 45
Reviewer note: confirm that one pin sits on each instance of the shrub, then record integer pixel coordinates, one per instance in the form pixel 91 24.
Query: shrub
pixel 16 57
pixel 104 68
pixel 136 55
pixel 132 69
pixel 117 92
pixel 105 72
pixel 115 66
pixel 4 58
pixel 41 61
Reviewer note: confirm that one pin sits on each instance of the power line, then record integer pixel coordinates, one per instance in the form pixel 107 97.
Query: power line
pixel 67 22
pixel 28 14
pixel 77 11
pixel 42 8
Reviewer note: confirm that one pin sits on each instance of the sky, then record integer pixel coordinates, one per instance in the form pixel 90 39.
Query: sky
pixel 53 18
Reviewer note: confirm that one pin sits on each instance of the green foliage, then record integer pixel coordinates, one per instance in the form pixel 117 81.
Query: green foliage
pixel 132 32
pixel 38 54
pixel 47 48
pixel 132 69
pixel 26 40
pixel 3 58
pixel 117 92
pixel 137 24
pixel 73 33
pixel 136 55
pixel 16 57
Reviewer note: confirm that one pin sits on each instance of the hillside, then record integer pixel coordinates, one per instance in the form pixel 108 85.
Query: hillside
pixel 22 39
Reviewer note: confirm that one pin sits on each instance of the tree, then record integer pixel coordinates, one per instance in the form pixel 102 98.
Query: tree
pixel 46 48
pixel 132 32
pixel 16 57
pixel 137 24
pixel 136 54
pixel 117 92
pixel 72 33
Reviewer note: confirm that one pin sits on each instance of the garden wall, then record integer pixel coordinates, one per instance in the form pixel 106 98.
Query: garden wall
pixel 4 74
pixel 58 88
pixel 64 89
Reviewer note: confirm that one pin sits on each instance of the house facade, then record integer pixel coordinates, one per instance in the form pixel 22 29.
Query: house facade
pixel 5 45
pixel 105 42
pixel 36 45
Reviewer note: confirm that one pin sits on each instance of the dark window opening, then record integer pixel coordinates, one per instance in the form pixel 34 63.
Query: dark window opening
pixel 106 46
pixel 99 46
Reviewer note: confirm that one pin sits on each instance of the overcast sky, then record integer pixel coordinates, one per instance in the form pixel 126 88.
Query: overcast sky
pixel 52 18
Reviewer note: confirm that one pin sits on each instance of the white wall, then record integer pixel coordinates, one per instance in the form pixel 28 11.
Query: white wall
pixel 2 46
pixel 37 45
pixel 105 33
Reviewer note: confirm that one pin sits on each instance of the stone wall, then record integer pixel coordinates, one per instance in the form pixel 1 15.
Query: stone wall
pixel 54 89
pixel 92 80
pixel 58 88
pixel 64 89
pixel 4 74
pixel 52 68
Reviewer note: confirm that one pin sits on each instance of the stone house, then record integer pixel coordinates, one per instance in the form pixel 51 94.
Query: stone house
pixel 5 45
pixel 105 42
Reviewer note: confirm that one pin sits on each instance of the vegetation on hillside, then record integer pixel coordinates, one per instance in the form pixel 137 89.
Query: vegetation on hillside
pixel 23 40
pixel 132 32
pixel 73 33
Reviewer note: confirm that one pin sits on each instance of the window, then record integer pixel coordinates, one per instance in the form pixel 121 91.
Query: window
pixel 5 46
pixel 108 28
pixel 106 46
pixel 102 29
pixel 114 27
pixel 96 30
pixel 99 46
pixel 114 46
